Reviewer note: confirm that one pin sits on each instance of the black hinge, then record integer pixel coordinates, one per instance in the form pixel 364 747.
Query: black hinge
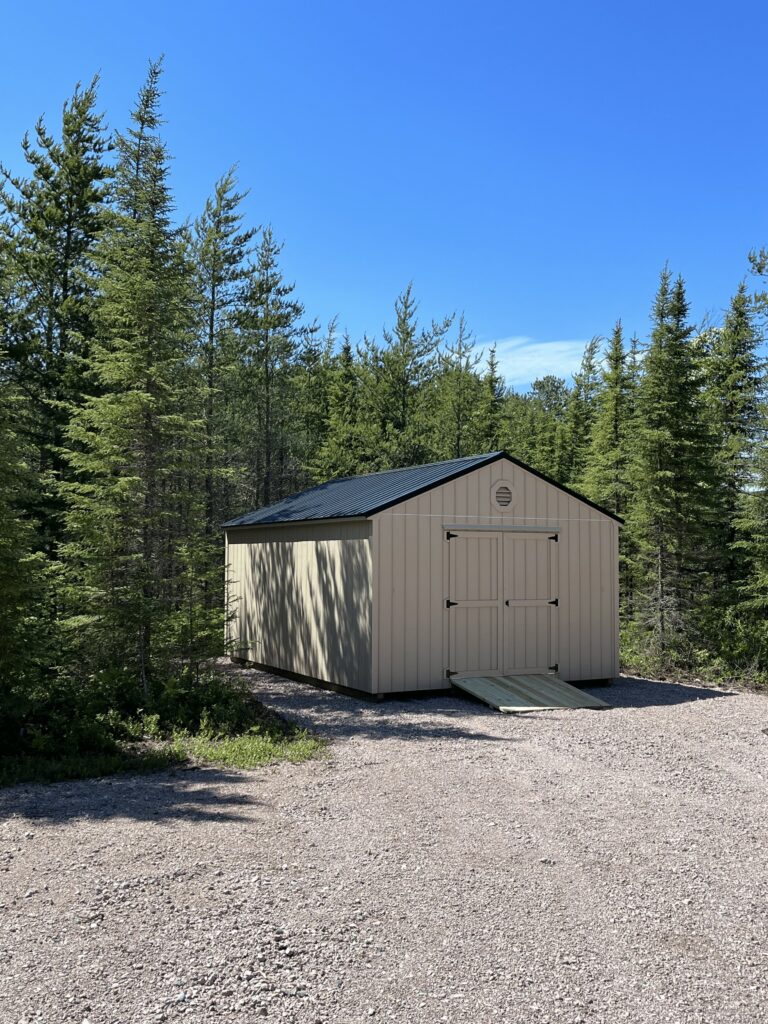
pixel 555 537
pixel 449 603
pixel 554 668
pixel 449 535
pixel 555 602
pixel 448 673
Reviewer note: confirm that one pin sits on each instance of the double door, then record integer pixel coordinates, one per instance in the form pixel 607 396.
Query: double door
pixel 502 602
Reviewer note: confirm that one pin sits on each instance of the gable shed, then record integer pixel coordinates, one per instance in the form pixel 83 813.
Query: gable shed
pixel 399 581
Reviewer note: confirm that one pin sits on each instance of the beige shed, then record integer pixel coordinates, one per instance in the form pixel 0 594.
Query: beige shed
pixel 409 579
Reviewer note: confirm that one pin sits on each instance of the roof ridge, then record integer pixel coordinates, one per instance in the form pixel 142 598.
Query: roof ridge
pixel 406 469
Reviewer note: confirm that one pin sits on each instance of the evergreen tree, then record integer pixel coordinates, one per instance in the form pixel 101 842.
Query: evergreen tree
pixel 732 391
pixel 312 387
pixel 221 249
pixel 489 428
pixel 137 508
pixel 671 507
pixel 605 478
pixel 396 378
pixel 348 448
pixel 580 412
pixel 49 223
pixel 270 333
pixel 456 397
pixel 26 641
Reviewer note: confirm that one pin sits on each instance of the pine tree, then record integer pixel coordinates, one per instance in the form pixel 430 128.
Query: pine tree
pixel 489 427
pixel 137 509
pixel 26 640
pixel 221 249
pixel 732 388
pixel 605 477
pixel 455 399
pixel 671 508
pixel 396 378
pixel 346 449
pixel 312 387
pixel 580 412
pixel 49 224
pixel 269 321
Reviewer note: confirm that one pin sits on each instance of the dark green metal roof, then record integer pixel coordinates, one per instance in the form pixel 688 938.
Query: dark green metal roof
pixel 354 497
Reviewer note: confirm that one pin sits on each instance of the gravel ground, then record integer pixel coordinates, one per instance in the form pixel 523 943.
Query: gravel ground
pixel 444 863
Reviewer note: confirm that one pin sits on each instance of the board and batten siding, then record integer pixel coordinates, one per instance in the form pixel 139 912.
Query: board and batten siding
pixel 302 598
pixel 410 574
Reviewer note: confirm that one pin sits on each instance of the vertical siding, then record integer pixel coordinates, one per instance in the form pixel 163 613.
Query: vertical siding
pixel 410 621
pixel 303 599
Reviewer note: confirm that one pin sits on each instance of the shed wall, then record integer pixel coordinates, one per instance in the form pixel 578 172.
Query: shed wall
pixel 302 599
pixel 410 572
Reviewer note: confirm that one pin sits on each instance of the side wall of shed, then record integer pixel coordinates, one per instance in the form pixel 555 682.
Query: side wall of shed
pixel 410 558
pixel 301 598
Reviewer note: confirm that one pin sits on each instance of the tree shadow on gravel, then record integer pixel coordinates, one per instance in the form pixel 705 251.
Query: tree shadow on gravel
pixel 636 692
pixel 182 794
pixel 337 716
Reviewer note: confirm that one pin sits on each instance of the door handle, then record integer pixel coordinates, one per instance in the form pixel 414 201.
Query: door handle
pixel 555 602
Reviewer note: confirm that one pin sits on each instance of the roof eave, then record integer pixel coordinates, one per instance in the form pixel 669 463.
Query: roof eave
pixel 234 525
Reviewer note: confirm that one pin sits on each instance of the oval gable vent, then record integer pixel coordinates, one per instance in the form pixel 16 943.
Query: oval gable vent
pixel 503 496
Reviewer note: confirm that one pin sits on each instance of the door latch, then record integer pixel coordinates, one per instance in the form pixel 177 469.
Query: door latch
pixel 555 601
pixel 449 603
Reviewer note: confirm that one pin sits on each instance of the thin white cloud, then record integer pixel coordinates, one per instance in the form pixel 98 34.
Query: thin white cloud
pixel 523 360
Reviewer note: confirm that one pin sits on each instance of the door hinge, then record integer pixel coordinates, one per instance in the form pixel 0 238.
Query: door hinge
pixel 449 603
pixel 555 601
pixel 555 537
pixel 553 668
pixel 449 535
pixel 449 673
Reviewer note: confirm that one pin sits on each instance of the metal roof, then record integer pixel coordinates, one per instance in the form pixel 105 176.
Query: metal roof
pixel 354 497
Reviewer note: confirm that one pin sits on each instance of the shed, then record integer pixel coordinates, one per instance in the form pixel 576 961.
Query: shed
pixel 406 579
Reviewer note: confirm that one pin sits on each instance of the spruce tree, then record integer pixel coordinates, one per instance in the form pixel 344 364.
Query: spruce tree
pixel 347 448
pixel 26 639
pixel 221 248
pixel 604 478
pixel 580 412
pixel 732 373
pixel 455 398
pixel 49 224
pixel 137 509
pixel 396 378
pixel 672 482
pixel 270 329
pixel 488 427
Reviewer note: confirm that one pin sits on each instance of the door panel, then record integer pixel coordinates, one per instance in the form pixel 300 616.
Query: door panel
pixel 500 618
pixel 529 585
pixel 474 622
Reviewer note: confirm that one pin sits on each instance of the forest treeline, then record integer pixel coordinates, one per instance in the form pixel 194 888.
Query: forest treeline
pixel 158 377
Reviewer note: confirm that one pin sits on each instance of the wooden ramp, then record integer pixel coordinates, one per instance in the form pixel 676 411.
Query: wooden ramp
pixel 514 694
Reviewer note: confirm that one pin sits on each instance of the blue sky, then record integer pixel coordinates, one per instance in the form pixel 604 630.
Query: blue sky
pixel 533 165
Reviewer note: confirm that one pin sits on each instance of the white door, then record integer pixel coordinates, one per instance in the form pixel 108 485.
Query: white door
pixel 530 604
pixel 474 602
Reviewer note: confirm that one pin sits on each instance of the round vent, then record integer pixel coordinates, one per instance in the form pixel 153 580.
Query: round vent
pixel 503 496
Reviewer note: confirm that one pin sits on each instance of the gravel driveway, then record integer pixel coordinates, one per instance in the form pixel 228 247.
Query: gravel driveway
pixel 444 863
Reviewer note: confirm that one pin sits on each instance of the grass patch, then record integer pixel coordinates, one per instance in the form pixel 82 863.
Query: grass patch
pixel 247 751
pixel 142 745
